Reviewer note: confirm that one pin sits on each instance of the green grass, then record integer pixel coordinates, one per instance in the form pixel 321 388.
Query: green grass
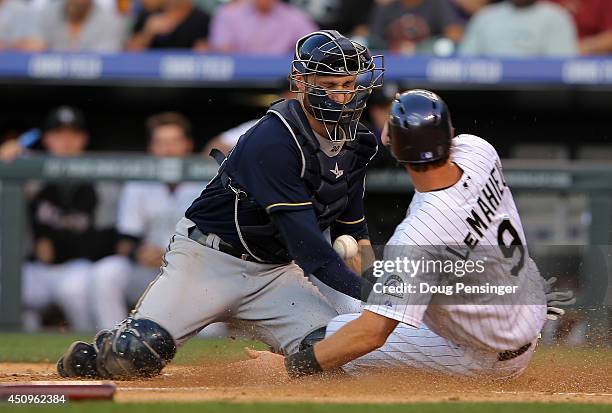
pixel 48 347
pixel 34 348
pixel 315 408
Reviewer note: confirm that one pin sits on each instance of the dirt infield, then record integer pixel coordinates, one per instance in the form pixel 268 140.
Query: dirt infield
pixel 554 376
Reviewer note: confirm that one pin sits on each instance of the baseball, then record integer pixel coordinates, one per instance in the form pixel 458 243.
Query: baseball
pixel 346 246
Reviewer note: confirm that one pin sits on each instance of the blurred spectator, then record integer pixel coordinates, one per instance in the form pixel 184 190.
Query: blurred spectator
pixel 467 8
pixel 148 213
pixel 65 241
pixel 593 20
pixel 170 24
pixel 211 6
pixel 404 25
pixel 258 26
pixel 226 140
pixel 349 17
pixel 520 28
pixel 10 148
pixel 77 25
pixel 15 23
pixel 379 106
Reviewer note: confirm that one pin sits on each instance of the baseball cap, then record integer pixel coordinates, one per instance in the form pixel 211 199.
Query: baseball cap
pixel 65 116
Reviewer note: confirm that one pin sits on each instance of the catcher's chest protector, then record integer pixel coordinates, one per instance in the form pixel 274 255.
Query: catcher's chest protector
pixel 329 179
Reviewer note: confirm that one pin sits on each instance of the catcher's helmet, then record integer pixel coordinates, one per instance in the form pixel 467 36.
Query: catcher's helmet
pixel 420 128
pixel 328 53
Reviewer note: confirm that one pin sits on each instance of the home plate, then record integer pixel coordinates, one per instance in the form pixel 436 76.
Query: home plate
pixel 55 391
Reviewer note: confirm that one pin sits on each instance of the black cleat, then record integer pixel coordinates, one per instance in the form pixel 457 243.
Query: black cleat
pixel 60 367
pixel 78 361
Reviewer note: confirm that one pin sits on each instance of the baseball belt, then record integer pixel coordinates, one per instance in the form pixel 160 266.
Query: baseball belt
pixel 213 241
pixel 510 354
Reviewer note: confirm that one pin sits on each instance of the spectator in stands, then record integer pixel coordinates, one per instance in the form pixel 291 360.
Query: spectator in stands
pixel 66 243
pixel 402 26
pixel 15 23
pixel 211 6
pixel 77 25
pixel 520 28
pixel 593 20
pixel 258 26
pixel 170 24
pixel 349 17
pixel 148 213
pixel 467 8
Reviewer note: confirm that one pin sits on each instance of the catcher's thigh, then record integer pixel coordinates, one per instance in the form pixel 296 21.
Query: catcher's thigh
pixel 199 285
pixel 282 307
pixel 342 303
pixel 196 287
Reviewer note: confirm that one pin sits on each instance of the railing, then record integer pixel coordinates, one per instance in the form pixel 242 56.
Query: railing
pixel 593 179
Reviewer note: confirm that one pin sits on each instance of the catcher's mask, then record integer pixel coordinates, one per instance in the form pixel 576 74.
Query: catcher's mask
pixel 327 53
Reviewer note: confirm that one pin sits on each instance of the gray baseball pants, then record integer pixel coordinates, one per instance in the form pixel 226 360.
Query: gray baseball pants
pixel 199 285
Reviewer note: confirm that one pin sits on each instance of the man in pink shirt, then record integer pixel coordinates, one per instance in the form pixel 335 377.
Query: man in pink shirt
pixel 258 26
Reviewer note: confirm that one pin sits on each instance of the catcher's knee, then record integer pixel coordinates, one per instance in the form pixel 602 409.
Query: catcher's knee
pixel 312 338
pixel 137 348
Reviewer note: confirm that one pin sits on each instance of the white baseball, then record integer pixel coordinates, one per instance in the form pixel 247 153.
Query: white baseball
pixel 346 246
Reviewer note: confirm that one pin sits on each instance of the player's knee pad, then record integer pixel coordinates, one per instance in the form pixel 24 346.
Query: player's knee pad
pixel 137 348
pixel 312 338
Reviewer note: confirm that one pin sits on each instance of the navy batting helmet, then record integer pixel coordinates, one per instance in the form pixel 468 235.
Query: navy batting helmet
pixel 420 128
pixel 328 53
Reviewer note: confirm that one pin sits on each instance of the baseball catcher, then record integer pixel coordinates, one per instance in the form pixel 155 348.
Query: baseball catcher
pixel 241 251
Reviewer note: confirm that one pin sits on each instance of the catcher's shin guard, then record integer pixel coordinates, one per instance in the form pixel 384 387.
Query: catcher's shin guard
pixel 137 348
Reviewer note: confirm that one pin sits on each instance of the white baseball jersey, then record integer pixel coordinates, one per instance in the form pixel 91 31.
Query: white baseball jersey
pixel 151 209
pixel 477 211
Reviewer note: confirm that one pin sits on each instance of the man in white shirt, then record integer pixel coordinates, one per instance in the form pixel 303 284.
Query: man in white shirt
pixel 520 28
pixel 77 26
pixel 15 23
pixel 148 212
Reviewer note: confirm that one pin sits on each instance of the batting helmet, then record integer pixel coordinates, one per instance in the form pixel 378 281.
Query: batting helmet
pixel 328 53
pixel 420 128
